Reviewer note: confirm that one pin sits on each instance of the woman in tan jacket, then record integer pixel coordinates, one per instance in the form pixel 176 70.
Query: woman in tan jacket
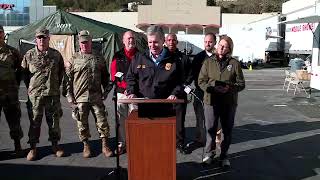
pixel 221 79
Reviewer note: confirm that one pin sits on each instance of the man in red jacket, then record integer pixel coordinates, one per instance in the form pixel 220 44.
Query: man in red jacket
pixel 120 63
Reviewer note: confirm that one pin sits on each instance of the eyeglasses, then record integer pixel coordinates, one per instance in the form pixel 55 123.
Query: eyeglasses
pixel 41 37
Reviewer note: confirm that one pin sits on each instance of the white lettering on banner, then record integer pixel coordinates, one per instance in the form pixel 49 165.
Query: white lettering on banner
pixel 303 27
pixel 63 25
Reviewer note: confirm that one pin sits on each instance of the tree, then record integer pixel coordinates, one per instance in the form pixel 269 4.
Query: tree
pixel 211 2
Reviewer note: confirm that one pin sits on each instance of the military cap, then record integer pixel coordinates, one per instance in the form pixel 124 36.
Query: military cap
pixel 1 28
pixel 42 32
pixel 84 35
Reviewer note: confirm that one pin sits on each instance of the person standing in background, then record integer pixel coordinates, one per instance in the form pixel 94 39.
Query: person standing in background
pixel 10 76
pixel 120 63
pixel 221 78
pixel 209 43
pixel 43 69
pixel 171 42
pixel 87 72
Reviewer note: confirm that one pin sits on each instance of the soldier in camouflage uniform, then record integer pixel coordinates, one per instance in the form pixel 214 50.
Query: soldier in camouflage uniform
pixel 86 73
pixel 10 70
pixel 43 69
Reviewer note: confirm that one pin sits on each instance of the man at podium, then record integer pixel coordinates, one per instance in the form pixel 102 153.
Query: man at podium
pixel 155 74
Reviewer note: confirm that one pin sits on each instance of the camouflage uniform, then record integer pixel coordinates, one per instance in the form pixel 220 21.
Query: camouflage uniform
pixel 44 73
pixel 10 70
pixel 86 73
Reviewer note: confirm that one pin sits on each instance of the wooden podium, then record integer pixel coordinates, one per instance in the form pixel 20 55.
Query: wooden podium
pixel 151 143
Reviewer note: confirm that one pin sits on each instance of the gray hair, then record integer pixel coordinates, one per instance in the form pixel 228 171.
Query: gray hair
pixel 155 29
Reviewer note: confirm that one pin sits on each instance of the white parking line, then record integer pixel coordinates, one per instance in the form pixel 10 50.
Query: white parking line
pixel 262 80
pixel 252 130
pixel 265 89
pixel 280 105
pixel 271 141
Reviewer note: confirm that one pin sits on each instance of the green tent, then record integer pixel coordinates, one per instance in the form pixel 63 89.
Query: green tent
pixel 64 23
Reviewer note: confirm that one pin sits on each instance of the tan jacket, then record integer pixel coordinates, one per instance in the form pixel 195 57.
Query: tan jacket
pixel 44 71
pixel 86 73
pixel 231 74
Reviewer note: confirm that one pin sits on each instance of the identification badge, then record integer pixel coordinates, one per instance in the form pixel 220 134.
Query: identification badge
pixel 168 66
pixel 229 67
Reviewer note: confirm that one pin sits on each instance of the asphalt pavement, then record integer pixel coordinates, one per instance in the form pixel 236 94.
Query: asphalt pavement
pixel 276 137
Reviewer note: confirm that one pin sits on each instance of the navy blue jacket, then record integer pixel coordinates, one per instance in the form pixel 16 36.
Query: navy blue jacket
pixel 146 79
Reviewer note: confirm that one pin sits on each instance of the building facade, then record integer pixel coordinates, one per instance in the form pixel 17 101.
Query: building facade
pixel 190 16
pixel 17 13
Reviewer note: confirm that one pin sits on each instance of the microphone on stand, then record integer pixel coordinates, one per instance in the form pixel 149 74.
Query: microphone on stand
pixel 189 90
pixel 118 169
pixel 118 78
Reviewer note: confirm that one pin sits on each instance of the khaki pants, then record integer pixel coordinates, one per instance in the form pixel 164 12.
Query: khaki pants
pixel 98 111
pixel 51 106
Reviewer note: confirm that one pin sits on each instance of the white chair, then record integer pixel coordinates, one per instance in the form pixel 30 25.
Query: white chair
pixel 287 78
pixel 296 82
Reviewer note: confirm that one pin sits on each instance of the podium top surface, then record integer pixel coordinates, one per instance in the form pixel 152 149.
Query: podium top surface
pixel 145 100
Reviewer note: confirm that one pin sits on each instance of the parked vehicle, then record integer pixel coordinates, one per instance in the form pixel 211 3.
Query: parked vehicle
pixel 302 34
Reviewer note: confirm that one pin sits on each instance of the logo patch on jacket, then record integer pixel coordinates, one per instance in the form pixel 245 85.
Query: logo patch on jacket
pixel 168 66
pixel 229 67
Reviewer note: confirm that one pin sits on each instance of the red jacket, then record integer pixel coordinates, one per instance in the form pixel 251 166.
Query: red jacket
pixel 128 56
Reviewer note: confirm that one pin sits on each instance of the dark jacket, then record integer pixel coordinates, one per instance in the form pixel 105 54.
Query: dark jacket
pixel 212 74
pixel 186 66
pixel 196 66
pixel 146 79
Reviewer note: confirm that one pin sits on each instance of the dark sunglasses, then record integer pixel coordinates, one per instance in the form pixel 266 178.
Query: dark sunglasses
pixel 41 37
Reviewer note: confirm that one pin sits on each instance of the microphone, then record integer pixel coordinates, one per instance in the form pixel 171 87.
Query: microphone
pixel 118 78
pixel 187 89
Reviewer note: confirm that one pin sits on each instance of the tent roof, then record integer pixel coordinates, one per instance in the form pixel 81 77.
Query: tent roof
pixel 61 22
pixel 64 23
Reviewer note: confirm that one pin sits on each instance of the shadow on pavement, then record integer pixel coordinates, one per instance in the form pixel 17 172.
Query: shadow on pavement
pixel 49 172
pixel 294 160
pixel 69 148
pixel 256 131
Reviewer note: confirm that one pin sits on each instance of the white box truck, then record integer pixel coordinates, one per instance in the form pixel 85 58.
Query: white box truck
pixel 302 33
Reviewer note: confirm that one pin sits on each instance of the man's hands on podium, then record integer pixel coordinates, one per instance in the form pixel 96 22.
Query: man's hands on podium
pixel 130 96
pixel 172 97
